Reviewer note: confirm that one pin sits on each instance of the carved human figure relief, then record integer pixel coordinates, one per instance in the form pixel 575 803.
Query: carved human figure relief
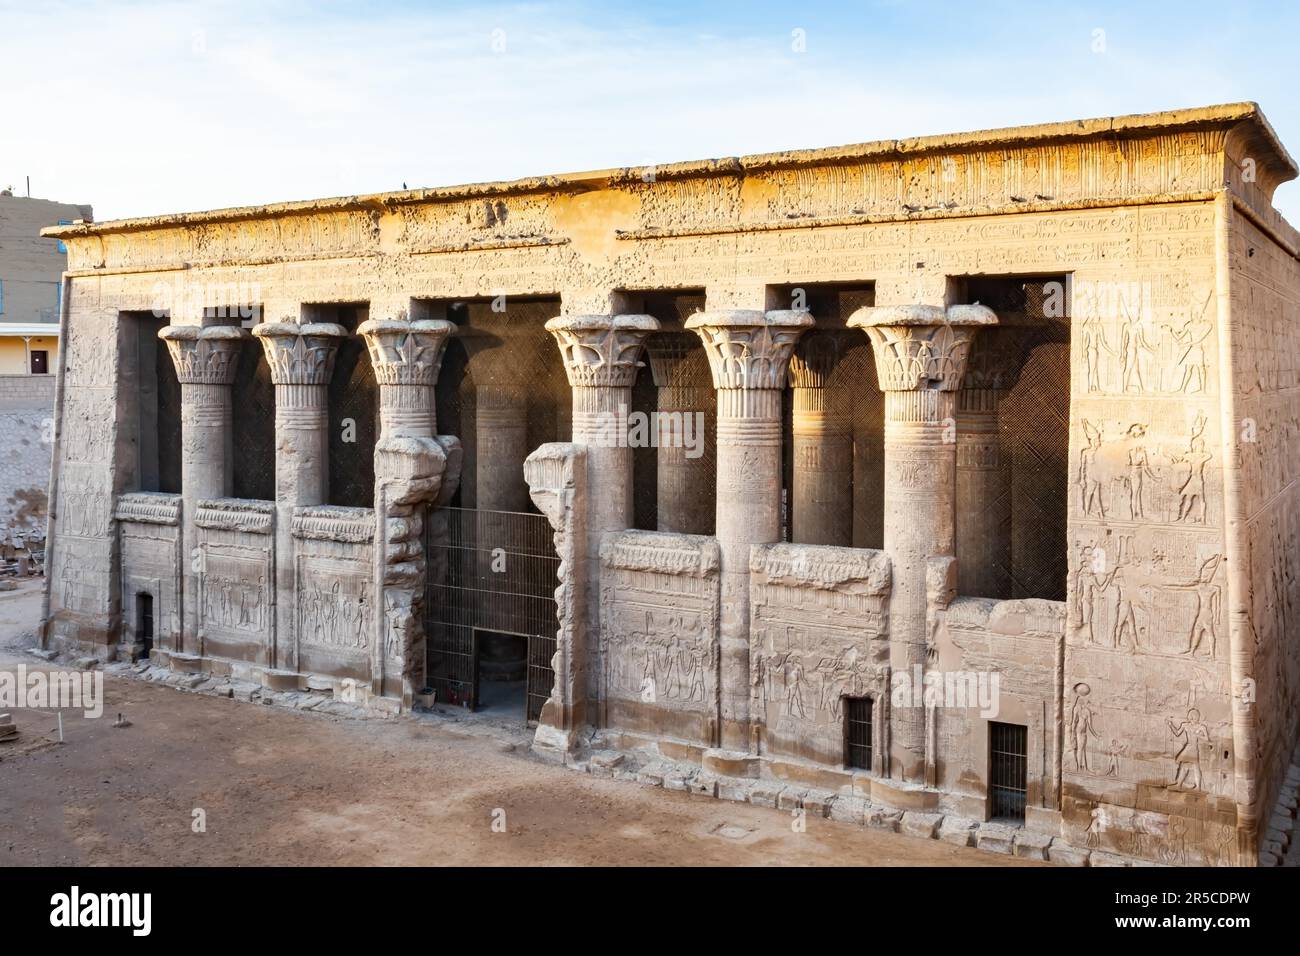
pixel 1188 735
pixel 1082 718
pixel 1202 639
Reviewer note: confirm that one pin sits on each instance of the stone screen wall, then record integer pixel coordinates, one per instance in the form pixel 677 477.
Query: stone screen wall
pixel 818 634
pixel 658 659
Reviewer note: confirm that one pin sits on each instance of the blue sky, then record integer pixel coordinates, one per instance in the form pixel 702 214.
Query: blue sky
pixel 155 107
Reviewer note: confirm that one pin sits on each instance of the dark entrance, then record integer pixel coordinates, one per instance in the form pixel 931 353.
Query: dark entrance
pixel 857 732
pixel 1008 766
pixel 40 362
pixel 490 614
pixel 143 625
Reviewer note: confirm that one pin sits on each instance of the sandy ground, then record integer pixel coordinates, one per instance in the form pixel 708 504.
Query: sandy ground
pixel 283 787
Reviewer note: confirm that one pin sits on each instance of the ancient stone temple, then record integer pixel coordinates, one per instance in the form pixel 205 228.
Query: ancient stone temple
pixel 957 475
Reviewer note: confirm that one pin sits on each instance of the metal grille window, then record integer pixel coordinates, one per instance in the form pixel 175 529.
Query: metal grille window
pixel 1008 770
pixel 857 732
pixel 144 618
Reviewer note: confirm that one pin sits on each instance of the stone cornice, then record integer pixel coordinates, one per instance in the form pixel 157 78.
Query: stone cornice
pixel 1163 157
pixel 235 514
pixel 822 567
pixel 686 554
pixel 148 507
pixel 334 523
pixel 1137 125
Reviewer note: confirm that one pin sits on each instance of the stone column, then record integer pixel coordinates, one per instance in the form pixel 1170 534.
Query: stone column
pixel 504 369
pixel 413 466
pixel 822 473
pixel 301 360
pixel 749 355
pixel 920 353
pixel 983 468
pixel 205 358
pixel 685 391
pixel 601 356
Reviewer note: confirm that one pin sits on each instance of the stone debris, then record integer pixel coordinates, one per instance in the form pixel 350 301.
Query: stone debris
pixel 8 731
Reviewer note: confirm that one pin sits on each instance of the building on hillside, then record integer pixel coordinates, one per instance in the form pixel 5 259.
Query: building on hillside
pixel 953 478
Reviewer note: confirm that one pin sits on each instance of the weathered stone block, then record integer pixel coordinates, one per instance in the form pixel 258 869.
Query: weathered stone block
pixel 883 818
pixel 1032 846
pixel 849 810
pixel 920 824
pixel 995 838
pixel 958 831
pixel 1063 854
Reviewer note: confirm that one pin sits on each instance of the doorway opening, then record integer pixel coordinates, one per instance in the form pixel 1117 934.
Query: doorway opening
pixel 490 612
pixel 143 625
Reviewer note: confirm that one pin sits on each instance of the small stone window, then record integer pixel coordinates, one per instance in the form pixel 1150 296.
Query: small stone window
pixel 1008 771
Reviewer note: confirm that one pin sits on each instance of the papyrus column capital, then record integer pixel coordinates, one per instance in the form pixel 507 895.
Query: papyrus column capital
pixel 204 355
pixel 813 361
pixel 300 354
pixel 406 352
pixel 602 350
pixel 750 349
pixel 921 347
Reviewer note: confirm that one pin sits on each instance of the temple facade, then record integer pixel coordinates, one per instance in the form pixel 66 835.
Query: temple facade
pixel 957 476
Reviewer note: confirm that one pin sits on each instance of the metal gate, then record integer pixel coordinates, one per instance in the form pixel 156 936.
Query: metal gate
pixel 1008 771
pixel 488 571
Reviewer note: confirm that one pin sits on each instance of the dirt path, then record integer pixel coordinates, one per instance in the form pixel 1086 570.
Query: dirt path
pixel 282 787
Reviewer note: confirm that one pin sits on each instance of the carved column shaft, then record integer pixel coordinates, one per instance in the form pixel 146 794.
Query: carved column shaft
pixel 749 354
pixel 505 367
pixel 301 360
pixel 205 359
pixel 983 468
pixel 920 354
pixel 601 356
pixel 685 401
pixel 501 445
pixel 822 472
pixel 414 468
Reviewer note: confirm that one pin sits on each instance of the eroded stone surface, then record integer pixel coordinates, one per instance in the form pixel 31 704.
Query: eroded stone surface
pixel 1157 698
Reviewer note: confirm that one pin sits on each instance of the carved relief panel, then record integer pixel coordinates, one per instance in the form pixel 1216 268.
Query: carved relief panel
pixel 818 634
pixel 659 635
